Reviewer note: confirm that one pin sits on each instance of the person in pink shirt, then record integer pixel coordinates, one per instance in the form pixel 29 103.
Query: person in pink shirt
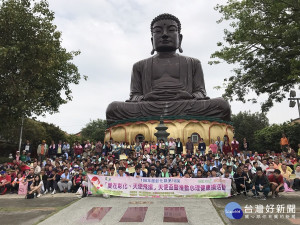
pixel 172 146
pixel 18 156
pixel 213 146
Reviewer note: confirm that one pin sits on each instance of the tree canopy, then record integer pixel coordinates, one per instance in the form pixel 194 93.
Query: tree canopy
pixel 268 138
pixel 35 70
pixel 94 130
pixel 35 131
pixel 246 124
pixel 264 43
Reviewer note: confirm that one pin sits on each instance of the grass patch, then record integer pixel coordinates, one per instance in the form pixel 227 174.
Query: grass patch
pixel 16 209
pixel 218 209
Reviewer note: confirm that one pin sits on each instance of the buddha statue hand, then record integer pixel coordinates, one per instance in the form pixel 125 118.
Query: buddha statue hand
pixel 200 96
pixel 167 95
pixel 184 95
pixel 136 98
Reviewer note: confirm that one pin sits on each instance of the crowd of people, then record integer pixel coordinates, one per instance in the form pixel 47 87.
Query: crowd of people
pixel 61 167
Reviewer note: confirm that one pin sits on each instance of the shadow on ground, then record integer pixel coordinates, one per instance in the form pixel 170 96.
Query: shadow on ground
pixel 30 211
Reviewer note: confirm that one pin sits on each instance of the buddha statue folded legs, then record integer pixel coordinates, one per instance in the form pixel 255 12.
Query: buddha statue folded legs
pixel 216 108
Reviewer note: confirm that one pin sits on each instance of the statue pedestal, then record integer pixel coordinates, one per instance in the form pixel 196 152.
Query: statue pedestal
pixel 178 126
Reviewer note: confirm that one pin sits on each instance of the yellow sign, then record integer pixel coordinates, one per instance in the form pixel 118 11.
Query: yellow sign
pixel 122 157
pixel 131 170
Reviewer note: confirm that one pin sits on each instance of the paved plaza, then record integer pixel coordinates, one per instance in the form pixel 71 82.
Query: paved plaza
pixel 16 210
pixel 66 209
pixel 130 209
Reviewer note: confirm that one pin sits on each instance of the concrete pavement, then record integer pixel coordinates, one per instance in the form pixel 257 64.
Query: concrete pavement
pixel 63 209
pixel 198 211
pixel 16 210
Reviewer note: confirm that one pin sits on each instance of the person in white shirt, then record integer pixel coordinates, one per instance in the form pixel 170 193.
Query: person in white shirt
pixel 37 169
pixel 253 169
pixel 65 181
pixel 256 155
pixel 264 165
pixel 219 143
pixel 228 175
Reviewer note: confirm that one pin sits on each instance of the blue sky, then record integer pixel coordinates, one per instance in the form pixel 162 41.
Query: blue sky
pixel 114 34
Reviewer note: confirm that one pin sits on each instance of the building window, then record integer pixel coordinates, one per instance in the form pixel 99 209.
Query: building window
pixel 139 138
pixel 195 137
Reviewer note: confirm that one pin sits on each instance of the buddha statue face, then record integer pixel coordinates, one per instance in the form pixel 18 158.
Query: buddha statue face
pixel 165 36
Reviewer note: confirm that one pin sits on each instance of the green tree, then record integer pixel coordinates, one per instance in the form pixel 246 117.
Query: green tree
pixel 35 131
pixel 246 124
pixel 35 70
pixel 72 138
pixel 269 137
pixel 265 43
pixel 53 133
pixel 94 130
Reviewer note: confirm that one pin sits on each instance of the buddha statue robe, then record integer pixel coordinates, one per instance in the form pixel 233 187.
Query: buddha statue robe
pixel 170 86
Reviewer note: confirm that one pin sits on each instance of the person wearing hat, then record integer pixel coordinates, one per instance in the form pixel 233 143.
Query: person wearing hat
pixel 18 156
pixel 80 181
pixel 42 151
pixel 75 171
pixel 217 163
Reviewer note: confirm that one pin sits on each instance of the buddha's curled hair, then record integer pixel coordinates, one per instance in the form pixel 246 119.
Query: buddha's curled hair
pixel 166 16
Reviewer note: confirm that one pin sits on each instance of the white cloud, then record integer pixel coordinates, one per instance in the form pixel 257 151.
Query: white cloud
pixel 113 34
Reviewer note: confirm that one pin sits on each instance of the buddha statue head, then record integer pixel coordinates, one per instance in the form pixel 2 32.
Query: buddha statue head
pixel 166 36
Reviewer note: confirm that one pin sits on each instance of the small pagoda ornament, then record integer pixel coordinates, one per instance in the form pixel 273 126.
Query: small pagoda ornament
pixel 161 133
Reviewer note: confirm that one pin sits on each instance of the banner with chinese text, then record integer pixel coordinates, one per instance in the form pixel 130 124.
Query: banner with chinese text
pixel 160 187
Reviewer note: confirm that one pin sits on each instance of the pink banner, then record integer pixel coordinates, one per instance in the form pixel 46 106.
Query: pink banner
pixel 22 188
pixel 160 187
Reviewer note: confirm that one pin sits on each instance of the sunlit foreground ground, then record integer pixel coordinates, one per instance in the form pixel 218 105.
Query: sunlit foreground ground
pixel 68 209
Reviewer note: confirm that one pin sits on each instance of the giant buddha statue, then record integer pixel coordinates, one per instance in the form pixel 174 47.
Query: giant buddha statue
pixel 167 83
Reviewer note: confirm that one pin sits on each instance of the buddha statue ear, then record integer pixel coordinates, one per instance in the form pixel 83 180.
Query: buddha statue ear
pixel 180 40
pixel 153 50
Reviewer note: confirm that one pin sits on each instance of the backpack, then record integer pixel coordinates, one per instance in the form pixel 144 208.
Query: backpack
pixel 29 196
